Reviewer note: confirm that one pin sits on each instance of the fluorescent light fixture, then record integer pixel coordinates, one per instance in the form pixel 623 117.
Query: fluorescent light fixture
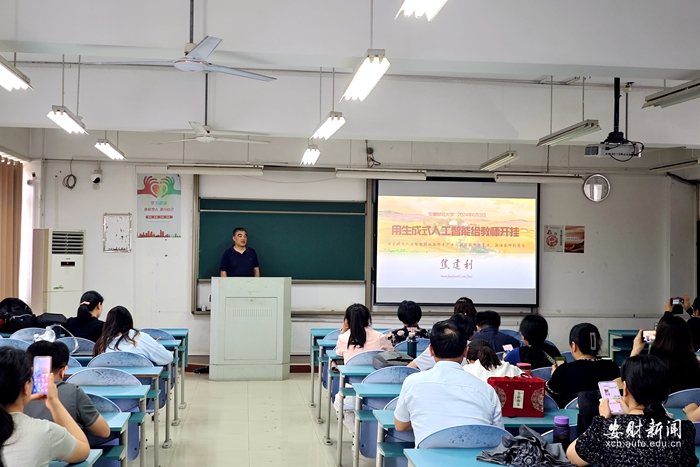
pixel 331 124
pixel 311 155
pixel 380 174
pixel 669 166
pixel 499 161
pixel 110 149
pixel 574 131
pixel 373 67
pixel 675 95
pixel 201 169
pixel 429 8
pixel 66 120
pixel 11 78
pixel 515 177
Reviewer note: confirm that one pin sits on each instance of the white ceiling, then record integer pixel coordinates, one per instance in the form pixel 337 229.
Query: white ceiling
pixel 472 75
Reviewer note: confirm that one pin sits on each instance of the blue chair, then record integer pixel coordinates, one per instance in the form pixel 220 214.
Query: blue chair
pixel 465 436
pixel 332 336
pixel 392 404
pixel 549 403
pixel 682 398
pixel 500 355
pixel 27 334
pixel 573 404
pixel 158 334
pixel 14 343
pixel 103 405
pixel 73 363
pixel 568 356
pixel 510 333
pixel 363 358
pixel 421 345
pixel 545 373
pixel 84 345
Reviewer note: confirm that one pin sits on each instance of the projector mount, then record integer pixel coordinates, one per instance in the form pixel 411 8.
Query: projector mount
pixel 616 138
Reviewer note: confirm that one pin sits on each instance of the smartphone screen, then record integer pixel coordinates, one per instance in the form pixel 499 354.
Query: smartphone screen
pixel 648 336
pixel 560 360
pixel 676 301
pixel 609 391
pixel 507 347
pixel 40 378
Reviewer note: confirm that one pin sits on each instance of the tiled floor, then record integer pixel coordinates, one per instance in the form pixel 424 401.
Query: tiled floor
pixel 250 424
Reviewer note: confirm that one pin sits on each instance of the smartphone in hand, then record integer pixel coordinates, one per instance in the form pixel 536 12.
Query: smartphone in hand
pixel 560 360
pixel 507 348
pixel 609 391
pixel 40 377
pixel 648 336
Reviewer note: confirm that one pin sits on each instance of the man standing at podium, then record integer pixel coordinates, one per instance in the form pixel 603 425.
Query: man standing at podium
pixel 240 260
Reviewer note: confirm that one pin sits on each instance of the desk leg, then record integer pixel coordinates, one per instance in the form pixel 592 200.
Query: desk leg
pixel 183 367
pixel 320 384
pixel 313 367
pixel 156 422
pixel 176 417
pixel 124 441
pixel 168 442
pixel 356 441
pixel 142 441
pixel 327 440
pixel 341 416
pixel 380 439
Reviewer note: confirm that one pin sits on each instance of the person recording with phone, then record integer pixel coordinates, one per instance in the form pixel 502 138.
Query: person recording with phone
pixel 28 442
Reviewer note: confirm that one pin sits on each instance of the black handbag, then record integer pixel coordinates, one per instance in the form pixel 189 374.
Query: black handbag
pixel 50 319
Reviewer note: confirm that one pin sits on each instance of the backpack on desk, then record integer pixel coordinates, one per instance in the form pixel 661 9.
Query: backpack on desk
pixel 390 358
pixel 15 315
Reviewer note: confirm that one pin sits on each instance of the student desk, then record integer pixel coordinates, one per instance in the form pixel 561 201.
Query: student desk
pixel 5 334
pixel 118 423
pixel 323 344
pixel 315 334
pixel 89 462
pixel 620 342
pixel 184 351
pixel 132 392
pixel 345 372
pixel 362 390
pixel 173 346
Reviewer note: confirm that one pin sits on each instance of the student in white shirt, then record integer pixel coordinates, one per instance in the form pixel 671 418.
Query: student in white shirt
pixel 484 363
pixel 445 396
pixel 25 441
pixel 119 334
pixel 426 361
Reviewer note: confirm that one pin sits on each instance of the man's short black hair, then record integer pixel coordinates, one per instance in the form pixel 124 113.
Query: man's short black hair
pixel 488 318
pixel 465 323
pixel 447 340
pixel 58 351
pixel 409 312
pixel 237 229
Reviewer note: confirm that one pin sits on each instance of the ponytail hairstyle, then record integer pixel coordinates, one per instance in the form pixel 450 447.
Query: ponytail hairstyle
pixel 15 372
pixel 358 318
pixel 118 324
pixel 481 350
pixel 648 381
pixel 587 338
pixel 465 306
pixel 534 329
pixel 88 302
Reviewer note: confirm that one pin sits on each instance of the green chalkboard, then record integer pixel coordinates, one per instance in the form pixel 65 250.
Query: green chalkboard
pixel 302 240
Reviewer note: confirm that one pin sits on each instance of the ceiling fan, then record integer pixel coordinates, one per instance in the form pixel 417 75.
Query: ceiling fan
pixel 195 59
pixel 204 134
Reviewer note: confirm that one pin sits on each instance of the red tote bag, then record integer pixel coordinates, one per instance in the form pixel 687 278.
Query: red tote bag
pixel 520 396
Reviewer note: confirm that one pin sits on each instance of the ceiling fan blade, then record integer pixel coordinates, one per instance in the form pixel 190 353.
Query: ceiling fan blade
pixel 198 128
pixel 242 140
pixel 137 63
pixel 236 72
pixel 202 50
pixel 177 141
pixel 234 133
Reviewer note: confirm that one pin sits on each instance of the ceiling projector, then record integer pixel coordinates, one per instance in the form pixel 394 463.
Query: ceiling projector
pixel 607 149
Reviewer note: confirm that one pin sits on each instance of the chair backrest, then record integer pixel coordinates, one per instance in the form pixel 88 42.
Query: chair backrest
pixel 158 333
pixel 84 345
pixel 27 334
pixel 545 373
pixel 568 356
pixel 511 333
pixel 333 335
pixel 390 374
pixel 363 358
pixel 549 403
pixel 117 359
pixel 500 355
pixel 465 436
pixel 103 377
pixel 15 343
pixel 73 363
pixel 573 404
pixel 421 345
pixel 392 404
pixel 103 405
pixel 682 398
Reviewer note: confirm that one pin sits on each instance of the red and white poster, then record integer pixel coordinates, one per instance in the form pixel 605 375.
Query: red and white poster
pixel 574 239
pixel 553 238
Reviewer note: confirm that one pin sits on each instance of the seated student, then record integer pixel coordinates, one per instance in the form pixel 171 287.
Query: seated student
pixel 31 442
pixel 587 369
pixel 484 363
pixel 87 324
pixel 674 346
pixel 644 436
pixel 446 395
pixel 465 306
pixel 119 335
pixel 426 361
pixel 487 324
pixel 409 313
pixel 694 322
pixel 356 334
pixel 74 399
pixel 536 352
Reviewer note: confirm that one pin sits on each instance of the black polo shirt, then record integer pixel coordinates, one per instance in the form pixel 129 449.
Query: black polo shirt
pixel 239 264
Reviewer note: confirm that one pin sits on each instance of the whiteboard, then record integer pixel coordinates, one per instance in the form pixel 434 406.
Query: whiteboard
pixel 116 233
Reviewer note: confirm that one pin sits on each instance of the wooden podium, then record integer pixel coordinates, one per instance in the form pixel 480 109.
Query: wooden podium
pixel 250 328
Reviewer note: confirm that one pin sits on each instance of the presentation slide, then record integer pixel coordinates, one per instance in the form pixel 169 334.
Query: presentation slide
pixel 438 241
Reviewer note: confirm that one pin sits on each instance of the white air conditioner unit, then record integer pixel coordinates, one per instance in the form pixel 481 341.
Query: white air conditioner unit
pixel 58 270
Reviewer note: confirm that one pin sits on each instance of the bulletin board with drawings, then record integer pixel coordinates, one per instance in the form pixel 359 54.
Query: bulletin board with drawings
pixel 116 233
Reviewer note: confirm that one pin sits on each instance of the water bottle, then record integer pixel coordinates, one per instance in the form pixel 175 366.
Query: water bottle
pixel 411 345
pixel 561 431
